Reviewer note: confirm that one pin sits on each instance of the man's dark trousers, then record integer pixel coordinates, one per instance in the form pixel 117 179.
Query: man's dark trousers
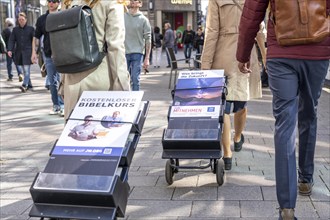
pixel 296 86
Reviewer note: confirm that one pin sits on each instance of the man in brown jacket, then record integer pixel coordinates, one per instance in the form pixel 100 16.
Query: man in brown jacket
pixel 296 75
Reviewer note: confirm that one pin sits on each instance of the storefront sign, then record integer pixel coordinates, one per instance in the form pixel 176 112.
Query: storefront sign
pixel 181 2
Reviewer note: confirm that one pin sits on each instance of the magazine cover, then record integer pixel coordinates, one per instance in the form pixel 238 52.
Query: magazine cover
pixel 202 87
pixel 196 105
pixel 99 124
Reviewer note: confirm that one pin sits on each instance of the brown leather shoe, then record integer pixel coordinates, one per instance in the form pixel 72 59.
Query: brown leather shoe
pixel 305 189
pixel 287 214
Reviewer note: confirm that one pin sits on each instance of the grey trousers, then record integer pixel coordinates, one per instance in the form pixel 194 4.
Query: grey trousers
pixel 296 86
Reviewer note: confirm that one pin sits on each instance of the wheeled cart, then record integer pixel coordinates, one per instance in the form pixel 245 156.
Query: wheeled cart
pixel 195 121
pixel 86 175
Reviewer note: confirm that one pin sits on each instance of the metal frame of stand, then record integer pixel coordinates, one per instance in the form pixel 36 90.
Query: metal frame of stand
pixel 79 204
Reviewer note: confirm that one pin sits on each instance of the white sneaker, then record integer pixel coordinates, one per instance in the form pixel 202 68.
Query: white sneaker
pixel 61 113
pixel 55 111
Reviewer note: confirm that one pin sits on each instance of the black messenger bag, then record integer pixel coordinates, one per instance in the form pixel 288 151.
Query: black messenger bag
pixel 72 39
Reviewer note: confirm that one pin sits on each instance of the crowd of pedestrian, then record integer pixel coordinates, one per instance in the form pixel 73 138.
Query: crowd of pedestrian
pixel 295 74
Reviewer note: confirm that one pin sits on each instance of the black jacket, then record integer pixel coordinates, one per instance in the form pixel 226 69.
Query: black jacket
pixel 198 41
pixel 41 30
pixel 188 37
pixel 21 42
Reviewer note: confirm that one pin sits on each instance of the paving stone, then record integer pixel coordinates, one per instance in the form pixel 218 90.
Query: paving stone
pixel 180 180
pixel 208 179
pixel 306 210
pixel 266 209
pixel 156 209
pixel 14 207
pixel 247 179
pixel 269 193
pixel 195 193
pixel 323 209
pixel 142 180
pixel 15 217
pixel 19 193
pixel 206 209
pixel 228 193
pixel 151 193
pixel 152 218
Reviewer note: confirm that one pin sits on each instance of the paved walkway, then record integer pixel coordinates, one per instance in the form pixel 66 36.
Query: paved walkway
pixel 28 134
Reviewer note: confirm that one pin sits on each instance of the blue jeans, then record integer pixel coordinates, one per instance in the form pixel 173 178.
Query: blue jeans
pixel 134 61
pixel 54 81
pixel 187 50
pixel 19 70
pixel 26 72
pixel 296 86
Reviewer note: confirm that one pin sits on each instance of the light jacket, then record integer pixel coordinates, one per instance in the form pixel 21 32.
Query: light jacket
pixel 138 33
pixel 219 50
pixel 112 73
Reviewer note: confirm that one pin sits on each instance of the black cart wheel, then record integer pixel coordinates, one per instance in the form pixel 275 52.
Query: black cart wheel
pixel 169 172
pixel 213 163
pixel 220 172
pixel 177 164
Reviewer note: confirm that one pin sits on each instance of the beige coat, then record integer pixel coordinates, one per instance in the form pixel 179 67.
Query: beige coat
pixel 219 51
pixel 112 73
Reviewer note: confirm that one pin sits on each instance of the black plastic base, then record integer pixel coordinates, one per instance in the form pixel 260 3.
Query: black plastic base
pixel 72 212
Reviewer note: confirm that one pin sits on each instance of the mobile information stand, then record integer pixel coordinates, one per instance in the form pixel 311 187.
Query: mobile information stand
pixel 195 122
pixel 86 174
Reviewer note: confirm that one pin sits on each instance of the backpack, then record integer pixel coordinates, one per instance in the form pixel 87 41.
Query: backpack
pixel 73 41
pixel 300 21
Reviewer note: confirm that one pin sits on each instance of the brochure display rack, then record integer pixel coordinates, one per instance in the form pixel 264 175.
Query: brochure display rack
pixel 86 174
pixel 195 122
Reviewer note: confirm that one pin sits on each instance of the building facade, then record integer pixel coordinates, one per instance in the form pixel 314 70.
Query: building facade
pixel 11 8
pixel 178 13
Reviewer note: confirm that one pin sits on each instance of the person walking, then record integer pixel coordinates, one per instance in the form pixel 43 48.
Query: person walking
pixel 20 42
pixel 53 76
pixel 198 45
pixel 137 42
pixel 219 53
pixel 199 40
pixel 168 41
pixel 9 22
pixel 188 37
pixel 296 76
pixel 157 47
pixel 177 40
pixel 112 73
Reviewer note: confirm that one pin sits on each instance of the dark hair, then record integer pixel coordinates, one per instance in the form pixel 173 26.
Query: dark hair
pixel 88 116
pixel 156 30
